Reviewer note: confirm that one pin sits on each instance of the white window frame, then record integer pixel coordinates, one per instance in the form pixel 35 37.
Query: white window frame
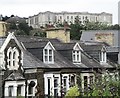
pixel 48 57
pixel 14 85
pixel 12 55
pixel 88 75
pixel 33 88
pixel 76 56
pixel 103 58
pixel 10 91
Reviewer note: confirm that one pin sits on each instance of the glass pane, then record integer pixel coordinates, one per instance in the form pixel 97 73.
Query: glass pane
pixel 77 52
pixel 64 81
pixel 45 51
pixel 91 79
pixel 30 90
pixel 78 57
pixel 55 92
pixel 55 82
pixel 49 87
pixel 19 90
pixel 50 52
pixel 72 80
pixel 85 81
pixel 50 58
pixel 46 58
pixel 73 57
pixel 10 91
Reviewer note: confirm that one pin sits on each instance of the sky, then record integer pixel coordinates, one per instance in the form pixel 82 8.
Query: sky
pixel 26 8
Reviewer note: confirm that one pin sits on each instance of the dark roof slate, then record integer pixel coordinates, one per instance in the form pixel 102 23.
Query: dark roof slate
pixel 64 46
pixel 30 61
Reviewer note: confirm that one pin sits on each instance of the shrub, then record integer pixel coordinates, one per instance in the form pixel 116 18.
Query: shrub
pixel 72 92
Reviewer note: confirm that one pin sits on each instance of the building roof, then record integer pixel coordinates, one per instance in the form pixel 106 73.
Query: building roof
pixel 64 46
pixel 30 61
pixel 14 76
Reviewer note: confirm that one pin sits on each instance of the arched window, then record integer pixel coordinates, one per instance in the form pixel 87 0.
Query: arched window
pixel 9 55
pixel 12 55
pixel 14 58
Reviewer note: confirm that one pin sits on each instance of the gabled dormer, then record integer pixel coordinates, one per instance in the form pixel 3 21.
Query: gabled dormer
pixel 48 53
pixel 12 54
pixel 76 54
pixel 103 56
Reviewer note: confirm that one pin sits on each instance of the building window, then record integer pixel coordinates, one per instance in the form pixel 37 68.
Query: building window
pixel 56 86
pixel 49 86
pixel 76 56
pixel 85 81
pixel 65 84
pixel 30 87
pixel 30 90
pixel 19 90
pixel 10 91
pixel 67 17
pixel 48 56
pixel 13 58
pixel 91 79
pixel 60 17
pixel 103 57
pixel 72 81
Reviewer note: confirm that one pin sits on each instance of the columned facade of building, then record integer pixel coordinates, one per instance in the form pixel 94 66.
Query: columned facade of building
pixel 53 18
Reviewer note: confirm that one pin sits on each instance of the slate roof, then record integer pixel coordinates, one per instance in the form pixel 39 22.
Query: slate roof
pixel 24 38
pixel 33 57
pixel 2 39
pixel 92 47
pixel 61 62
pixel 30 61
pixel 35 44
pixel 64 46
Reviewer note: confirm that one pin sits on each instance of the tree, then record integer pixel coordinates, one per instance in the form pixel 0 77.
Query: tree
pixel 24 27
pixel 76 29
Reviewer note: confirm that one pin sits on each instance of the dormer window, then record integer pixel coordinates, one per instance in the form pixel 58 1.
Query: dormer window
pixel 103 58
pixel 76 56
pixel 48 54
pixel 76 53
pixel 12 58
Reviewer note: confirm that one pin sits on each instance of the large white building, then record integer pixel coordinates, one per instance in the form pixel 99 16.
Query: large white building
pixel 48 17
pixel 119 12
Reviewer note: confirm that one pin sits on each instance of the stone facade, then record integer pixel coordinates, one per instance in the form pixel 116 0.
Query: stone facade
pixel 2 28
pixel 61 34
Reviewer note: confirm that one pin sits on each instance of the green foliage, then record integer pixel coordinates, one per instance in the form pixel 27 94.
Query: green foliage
pixel 76 29
pixel 106 85
pixel 24 27
pixel 19 28
pixel 72 92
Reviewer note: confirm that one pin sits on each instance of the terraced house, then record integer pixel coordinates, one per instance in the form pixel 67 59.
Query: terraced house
pixel 34 66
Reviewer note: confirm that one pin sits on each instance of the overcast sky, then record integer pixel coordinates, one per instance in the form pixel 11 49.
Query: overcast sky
pixel 26 8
